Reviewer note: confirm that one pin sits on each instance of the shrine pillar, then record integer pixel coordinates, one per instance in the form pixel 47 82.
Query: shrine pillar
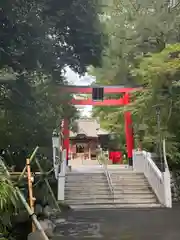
pixel 128 131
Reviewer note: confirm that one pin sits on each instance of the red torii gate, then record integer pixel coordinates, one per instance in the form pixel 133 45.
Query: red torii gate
pixel 125 100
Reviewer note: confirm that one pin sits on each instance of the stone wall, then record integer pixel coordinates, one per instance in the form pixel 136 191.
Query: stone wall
pixel 175 186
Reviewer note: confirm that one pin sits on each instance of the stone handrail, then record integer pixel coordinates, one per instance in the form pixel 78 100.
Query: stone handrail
pixel 167 178
pixel 107 174
pixel 61 177
pixel 159 181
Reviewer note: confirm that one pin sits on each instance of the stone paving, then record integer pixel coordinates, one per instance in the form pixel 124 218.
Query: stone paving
pixel 78 162
pixel 120 224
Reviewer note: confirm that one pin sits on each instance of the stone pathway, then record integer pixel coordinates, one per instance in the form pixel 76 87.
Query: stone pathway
pixel 120 224
pixel 78 162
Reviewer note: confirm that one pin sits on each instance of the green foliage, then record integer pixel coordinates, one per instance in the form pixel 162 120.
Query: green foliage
pixel 160 74
pixel 143 48
pixel 31 109
pixel 48 35
pixel 38 39
pixel 8 199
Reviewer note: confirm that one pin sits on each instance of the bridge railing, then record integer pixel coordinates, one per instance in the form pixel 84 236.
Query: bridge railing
pixel 103 161
pixel 160 182
pixel 61 177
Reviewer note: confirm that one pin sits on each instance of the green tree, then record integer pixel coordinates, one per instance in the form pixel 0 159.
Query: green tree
pixel 38 39
pixel 135 30
pixel 160 74
pixel 48 35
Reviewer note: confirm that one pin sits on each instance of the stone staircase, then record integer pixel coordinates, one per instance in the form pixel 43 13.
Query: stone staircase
pixel 132 189
pixel 85 190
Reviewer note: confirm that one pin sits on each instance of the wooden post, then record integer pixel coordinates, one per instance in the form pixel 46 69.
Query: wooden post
pixel 30 159
pixel 30 189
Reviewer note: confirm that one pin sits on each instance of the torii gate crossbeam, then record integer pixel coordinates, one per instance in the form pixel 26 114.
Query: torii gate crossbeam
pixel 124 100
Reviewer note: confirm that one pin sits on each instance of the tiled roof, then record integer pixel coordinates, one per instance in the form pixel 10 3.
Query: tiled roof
pixel 89 127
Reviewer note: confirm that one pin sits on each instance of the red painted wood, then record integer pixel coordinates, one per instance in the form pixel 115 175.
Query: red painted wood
pixel 87 90
pixel 105 102
pixel 128 128
pixel 66 141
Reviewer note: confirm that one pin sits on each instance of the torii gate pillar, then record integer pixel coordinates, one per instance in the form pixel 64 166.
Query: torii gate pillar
pixel 128 131
pixel 65 131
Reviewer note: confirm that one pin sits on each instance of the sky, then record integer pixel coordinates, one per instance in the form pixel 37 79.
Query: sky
pixel 74 79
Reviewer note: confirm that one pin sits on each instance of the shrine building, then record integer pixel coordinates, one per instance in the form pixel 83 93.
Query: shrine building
pixel 85 141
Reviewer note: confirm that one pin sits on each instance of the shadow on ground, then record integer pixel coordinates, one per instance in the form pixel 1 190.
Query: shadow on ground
pixel 121 224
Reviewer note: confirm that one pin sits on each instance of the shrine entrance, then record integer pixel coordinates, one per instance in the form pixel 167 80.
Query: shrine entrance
pixel 97 99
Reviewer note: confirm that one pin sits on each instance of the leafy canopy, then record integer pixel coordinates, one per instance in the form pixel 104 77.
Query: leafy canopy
pixel 38 39
pixel 141 37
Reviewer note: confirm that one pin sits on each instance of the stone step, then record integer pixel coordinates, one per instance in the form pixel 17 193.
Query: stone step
pixel 85 181
pixel 130 183
pixel 130 178
pixel 88 190
pixel 113 176
pixel 74 173
pixel 84 188
pixel 132 191
pixel 124 206
pixel 118 177
pixel 86 170
pixel 83 173
pixel 92 206
pixel 133 183
pixel 86 184
pixel 114 181
pixel 108 196
pixel 132 188
pixel 123 174
pixel 90 198
pixel 87 193
pixel 86 176
pixel 119 166
pixel 134 196
pixel 106 191
pixel 124 171
pixel 103 183
pixel 81 183
pixel 112 172
pixel 109 201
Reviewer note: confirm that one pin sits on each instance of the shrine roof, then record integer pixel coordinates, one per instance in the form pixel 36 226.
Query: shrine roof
pixel 88 127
